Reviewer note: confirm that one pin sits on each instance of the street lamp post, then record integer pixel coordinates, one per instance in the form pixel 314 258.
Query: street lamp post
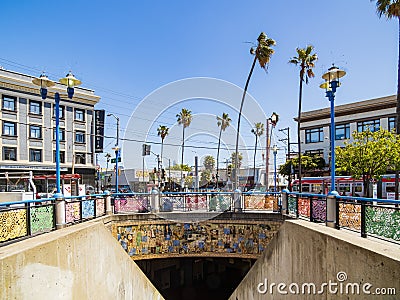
pixel 275 151
pixel 331 83
pixel 273 120
pixel 255 152
pixel 70 81
pixel 117 152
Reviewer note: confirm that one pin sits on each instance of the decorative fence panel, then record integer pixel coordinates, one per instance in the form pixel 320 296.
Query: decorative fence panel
pixel 13 224
pixel 42 218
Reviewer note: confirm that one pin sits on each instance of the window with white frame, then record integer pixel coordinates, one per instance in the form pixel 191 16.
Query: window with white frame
pixel 61 132
pixel 80 137
pixel 35 131
pixel 9 103
pixel 62 108
pixel 9 153
pixel 62 156
pixel 35 155
pixel 79 114
pixel 35 107
pixel 9 128
pixel 80 158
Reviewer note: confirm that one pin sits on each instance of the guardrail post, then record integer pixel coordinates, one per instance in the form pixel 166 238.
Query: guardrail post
pixel 109 208
pixel 60 211
pixel 331 209
pixel 363 220
pixel 155 201
pixel 285 203
pixel 237 200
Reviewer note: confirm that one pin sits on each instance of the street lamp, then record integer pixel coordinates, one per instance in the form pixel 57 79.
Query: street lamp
pixel 117 152
pixel 275 151
pixel 273 120
pixel 331 83
pixel 70 81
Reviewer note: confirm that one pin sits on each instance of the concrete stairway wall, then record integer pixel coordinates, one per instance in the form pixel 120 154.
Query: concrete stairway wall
pixel 79 262
pixel 304 252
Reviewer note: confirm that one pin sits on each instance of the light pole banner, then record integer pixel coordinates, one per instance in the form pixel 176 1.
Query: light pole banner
pixel 99 130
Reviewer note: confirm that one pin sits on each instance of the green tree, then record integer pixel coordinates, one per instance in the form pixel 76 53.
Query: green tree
pixel 368 156
pixel 306 60
pixel 239 160
pixel 181 168
pixel 308 164
pixel 184 118
pixel 262 53
pixel 162 132
pixel 258 131
pixel 209 163
pixel 223 123
pixel 205 177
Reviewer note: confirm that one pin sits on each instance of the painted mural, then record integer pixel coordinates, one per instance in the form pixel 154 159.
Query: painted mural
pixel 139 240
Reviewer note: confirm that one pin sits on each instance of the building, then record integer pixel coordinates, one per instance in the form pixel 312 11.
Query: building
pixel 357 116
pixel 27 140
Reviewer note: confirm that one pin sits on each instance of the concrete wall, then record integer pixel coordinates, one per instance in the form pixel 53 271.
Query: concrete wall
pixel 80 262
pixel 304 252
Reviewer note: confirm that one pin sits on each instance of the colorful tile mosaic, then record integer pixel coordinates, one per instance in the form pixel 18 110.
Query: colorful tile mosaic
pixel 72 211
pixel 292 204
pixel 383 221
pixel 350 216
pixel 13 224
pixel 100 207
pixel 41 218
pixel 139 240
pixel 260 202
pixel 319 210
pixel 304 207
pixel 131 204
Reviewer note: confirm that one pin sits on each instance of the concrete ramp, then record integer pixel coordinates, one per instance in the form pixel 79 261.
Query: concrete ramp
pixel 79 262
pixel 309 261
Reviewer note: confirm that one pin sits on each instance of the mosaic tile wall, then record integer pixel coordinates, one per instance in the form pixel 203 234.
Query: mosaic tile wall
pixel 139 240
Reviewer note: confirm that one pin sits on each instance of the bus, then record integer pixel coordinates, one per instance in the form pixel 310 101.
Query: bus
pixel 347 186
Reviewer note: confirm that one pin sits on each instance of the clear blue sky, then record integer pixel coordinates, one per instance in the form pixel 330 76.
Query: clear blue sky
pixel 126 49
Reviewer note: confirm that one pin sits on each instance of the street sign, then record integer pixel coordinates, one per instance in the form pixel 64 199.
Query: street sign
pixel 113 160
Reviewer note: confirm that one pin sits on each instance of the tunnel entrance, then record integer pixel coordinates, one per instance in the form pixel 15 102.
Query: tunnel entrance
pixel 196 277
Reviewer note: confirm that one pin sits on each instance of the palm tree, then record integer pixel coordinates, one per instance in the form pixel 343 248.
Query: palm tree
pixel 162 132
pixel 222 122
pixel 391 9
pixel 184 118
pixel 262 53
pixel 258 131
pixel 306 60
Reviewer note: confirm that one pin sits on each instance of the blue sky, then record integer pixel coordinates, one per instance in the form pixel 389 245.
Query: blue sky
pixel 124 50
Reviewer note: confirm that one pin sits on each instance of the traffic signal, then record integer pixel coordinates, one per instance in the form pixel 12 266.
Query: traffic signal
pixel 162 174
pixel 146 149
pixel 229 171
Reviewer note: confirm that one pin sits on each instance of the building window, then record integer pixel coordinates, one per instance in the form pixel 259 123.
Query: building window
pixel 9 153
pixel 35 107
pixel 392 123
pixel 9 103
pixel 62 108
pixel 9 128
pixel 35 131
pixel 342 132
pixel 79 137
pixel 314 135
pixel 79 115
pixel 316 152
pixel 372 125
pixel 35 155
pixel 62 156
pixel 80 158
pixel 61 134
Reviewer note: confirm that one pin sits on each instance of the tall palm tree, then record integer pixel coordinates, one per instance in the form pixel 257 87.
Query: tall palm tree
pixel 184 118
pixel 306 60
pixel 258 130
pixel 222 122
pixel 162 132
pixel 391 9
pixel 262 53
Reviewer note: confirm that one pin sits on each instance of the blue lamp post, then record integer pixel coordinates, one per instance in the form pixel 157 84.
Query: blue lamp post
pixel 331 83
pixel 70 81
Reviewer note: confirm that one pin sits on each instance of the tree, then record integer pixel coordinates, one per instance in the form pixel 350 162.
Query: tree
pixel 223 123
pixel 258 131
pixel 262 53
pixel 308 163
pixel 184 118
pixel 209 163
pixel 306 60
pixel 181 168
pixel 205 177
pixel 162 132
pixel 239 160
pixel 391 9
pixel 368 156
